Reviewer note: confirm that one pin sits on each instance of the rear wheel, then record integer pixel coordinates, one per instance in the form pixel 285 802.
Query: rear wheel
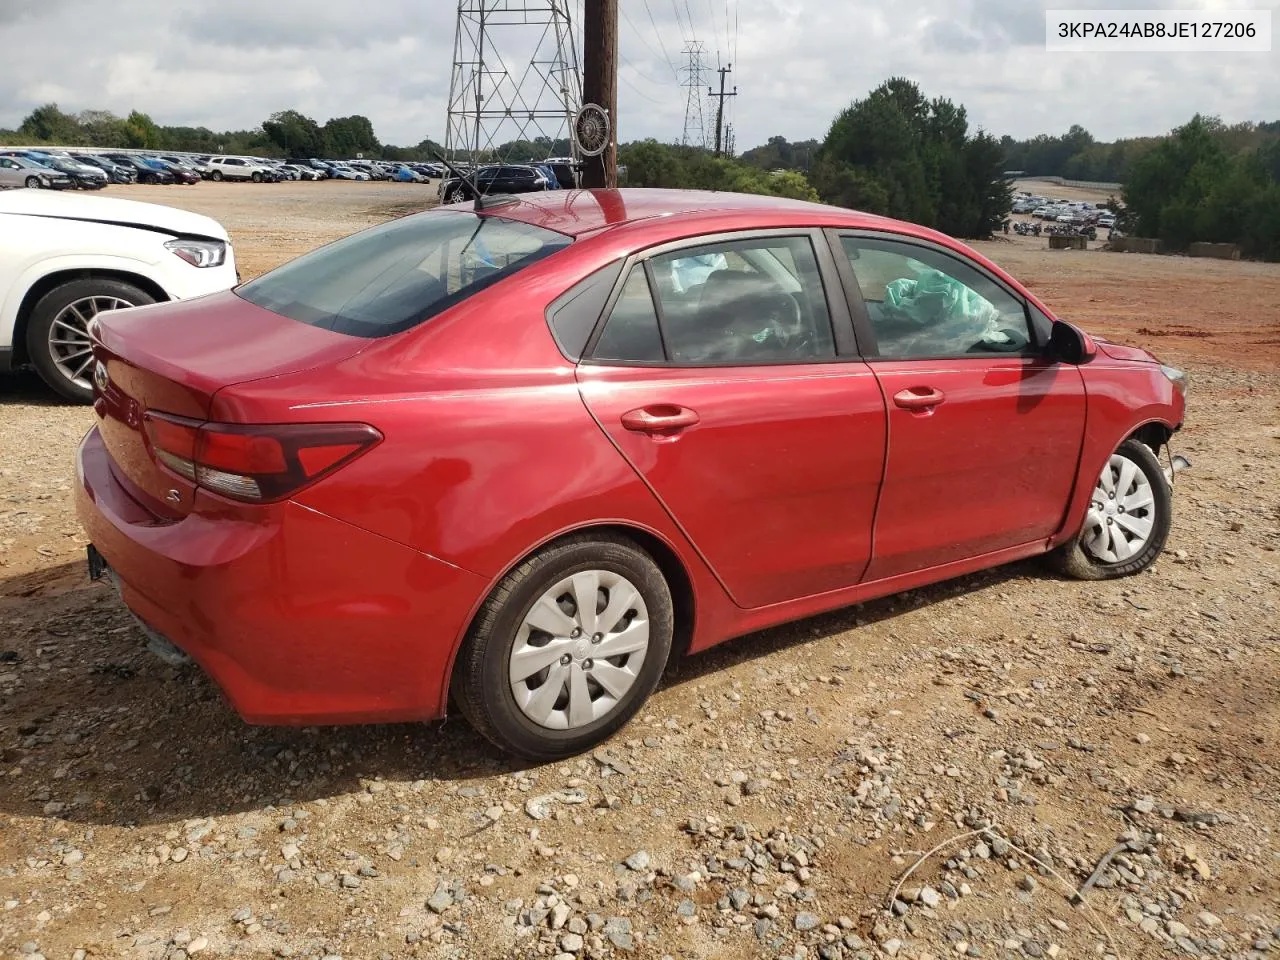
pixel 567 648
pixel 58 331
pixel 1128 522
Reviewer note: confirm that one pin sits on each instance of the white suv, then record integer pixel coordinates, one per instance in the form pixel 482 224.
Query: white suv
pixel 239 168
pixel 66 257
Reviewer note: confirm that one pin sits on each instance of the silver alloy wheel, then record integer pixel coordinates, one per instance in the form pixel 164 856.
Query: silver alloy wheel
pixel 69 345
pixel 1121 514
pixel 579 649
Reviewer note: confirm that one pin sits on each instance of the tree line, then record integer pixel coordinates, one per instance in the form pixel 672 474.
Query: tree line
pixel 1076 155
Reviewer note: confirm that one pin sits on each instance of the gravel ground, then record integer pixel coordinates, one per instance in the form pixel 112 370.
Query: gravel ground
pixel 993 739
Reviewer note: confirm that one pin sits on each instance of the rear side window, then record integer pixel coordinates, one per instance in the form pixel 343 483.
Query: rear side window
pixel 394 276
pixel 631 333
pixel 574 313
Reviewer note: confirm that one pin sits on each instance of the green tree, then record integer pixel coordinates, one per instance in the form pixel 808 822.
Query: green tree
pixel 293 134
pixel 48 124
pixel 141 131
pixel 1209 182
pixel 344 137
pixel 899 154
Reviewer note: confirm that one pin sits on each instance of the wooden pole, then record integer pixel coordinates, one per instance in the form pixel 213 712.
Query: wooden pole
pixel 600 84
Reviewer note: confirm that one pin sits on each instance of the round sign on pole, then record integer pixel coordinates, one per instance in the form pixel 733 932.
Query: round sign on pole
pixel 591 129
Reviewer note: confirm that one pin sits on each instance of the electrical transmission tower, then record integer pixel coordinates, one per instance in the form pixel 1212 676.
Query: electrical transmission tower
pixel 491 104
pixel 695 130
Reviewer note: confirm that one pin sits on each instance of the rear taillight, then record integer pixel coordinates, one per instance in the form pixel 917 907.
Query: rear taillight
pixel 256 463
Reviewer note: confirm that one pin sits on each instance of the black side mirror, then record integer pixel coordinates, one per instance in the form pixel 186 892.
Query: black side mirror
pixel 1070 344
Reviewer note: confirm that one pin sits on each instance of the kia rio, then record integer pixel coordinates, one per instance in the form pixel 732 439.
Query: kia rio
pixel 516 457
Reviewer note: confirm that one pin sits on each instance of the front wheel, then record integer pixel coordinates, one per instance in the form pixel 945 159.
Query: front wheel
pixel 256 177
pixel 58 332
pixel 33 183
pixel 567 648
pixel 1130 512
pixel 216 176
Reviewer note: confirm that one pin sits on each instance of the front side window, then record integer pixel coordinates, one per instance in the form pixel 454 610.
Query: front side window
pixel 396 275
pixel 923 303
pixel 744 301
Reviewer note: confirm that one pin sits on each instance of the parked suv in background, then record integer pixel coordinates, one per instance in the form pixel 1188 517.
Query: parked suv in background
pixel 499 178
pixel 239 168
pixel 66 258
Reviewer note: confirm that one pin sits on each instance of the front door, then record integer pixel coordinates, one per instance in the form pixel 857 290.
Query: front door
pixel 984 431
pixel 717 375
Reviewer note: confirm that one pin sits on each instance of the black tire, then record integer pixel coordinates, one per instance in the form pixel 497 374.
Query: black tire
pixel 33 183
pixel 256 177
pixel 216 176
pixel 480 684
pixel 47 309
pixel 1073 560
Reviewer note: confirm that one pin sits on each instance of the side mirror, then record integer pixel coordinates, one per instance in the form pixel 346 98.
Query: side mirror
pixel 1070 344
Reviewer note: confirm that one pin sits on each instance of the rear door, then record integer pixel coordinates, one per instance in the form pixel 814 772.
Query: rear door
pixel 729 380
pixel 984 430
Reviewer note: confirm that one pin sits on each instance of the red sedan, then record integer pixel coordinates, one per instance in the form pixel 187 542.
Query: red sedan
pixel 522 454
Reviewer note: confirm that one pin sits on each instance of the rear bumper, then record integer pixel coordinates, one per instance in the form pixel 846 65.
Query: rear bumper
pixel 299 618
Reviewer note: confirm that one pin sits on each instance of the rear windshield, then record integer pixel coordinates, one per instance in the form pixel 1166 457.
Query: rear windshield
pixel 395 276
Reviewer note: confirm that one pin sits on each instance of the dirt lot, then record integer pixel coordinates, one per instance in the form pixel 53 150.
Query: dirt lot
pixel 770 797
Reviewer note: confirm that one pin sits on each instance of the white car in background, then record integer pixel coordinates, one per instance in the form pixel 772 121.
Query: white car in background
pixel 64 258
pixel 239 168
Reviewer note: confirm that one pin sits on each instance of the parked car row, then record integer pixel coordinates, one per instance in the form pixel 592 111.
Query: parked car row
pixel 61 169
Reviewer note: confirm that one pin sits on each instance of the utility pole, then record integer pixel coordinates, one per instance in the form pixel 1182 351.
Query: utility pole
pixel 720 105
pixel 600 84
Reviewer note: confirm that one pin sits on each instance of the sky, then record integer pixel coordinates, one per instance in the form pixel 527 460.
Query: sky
pixel 229 64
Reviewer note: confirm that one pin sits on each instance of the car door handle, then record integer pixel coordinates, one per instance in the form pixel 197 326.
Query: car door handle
pixel 919 398
pixel 659 419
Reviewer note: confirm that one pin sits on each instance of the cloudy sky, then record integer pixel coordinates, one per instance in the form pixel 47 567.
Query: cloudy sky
pixel 230 63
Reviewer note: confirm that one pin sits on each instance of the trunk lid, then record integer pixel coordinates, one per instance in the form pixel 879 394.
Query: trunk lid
pixel 172 358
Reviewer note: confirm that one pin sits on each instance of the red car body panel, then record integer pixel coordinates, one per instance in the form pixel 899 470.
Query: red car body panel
pixel 946 497
pixel 300 618
pixel 801 488
pixel 781 515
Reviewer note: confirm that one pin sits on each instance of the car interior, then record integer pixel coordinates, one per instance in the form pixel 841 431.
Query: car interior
pixel 916 309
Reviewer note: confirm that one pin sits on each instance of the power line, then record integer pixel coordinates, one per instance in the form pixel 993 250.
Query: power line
pixel 675 7
pixel 693 32
pixel 715 35
pixel 641 38
pixel 632 86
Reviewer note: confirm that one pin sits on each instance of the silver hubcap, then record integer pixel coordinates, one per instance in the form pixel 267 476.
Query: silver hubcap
pixel 579 649
pixel 69 336
pixel 1122 513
